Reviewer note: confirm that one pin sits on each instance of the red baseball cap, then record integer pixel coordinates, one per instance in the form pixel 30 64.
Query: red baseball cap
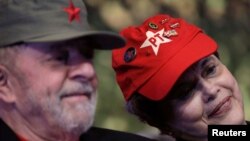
pixel 157 52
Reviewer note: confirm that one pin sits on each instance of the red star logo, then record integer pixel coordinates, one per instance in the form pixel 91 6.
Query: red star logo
pixel 73 12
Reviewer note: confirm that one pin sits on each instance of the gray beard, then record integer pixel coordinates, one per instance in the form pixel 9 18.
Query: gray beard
pixel 63 119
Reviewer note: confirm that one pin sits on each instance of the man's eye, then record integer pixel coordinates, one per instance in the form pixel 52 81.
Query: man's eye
pixel 87 53
pixel 62 57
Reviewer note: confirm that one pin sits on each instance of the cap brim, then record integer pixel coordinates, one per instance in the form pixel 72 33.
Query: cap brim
pixel 163 80
pixel 104 40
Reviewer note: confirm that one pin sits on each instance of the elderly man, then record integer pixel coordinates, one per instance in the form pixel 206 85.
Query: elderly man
pixel 47 80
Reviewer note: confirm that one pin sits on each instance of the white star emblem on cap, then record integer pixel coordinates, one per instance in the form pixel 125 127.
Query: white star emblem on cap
pixel 155 40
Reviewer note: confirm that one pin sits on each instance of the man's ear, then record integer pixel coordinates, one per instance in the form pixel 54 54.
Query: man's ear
pixel 6 94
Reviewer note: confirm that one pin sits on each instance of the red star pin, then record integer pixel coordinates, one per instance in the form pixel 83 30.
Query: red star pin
pixel 73 12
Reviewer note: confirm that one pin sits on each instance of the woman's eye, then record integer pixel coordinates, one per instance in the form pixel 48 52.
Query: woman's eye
pixel 211 70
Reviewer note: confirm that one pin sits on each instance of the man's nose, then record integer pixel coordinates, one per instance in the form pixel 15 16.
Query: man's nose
pixel 209 90
pixel 80 67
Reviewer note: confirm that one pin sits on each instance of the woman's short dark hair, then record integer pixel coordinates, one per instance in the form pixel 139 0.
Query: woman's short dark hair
pixel 155 113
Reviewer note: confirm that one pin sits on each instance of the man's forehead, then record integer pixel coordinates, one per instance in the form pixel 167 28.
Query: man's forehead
pixel 53 46
pixel 70 44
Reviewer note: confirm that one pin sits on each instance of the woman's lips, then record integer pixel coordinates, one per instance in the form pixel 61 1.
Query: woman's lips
pixel 221 108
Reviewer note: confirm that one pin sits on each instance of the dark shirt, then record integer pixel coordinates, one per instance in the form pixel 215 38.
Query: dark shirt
pixel 94 134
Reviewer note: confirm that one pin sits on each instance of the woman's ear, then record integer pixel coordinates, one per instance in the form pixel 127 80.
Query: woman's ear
pixel 6 94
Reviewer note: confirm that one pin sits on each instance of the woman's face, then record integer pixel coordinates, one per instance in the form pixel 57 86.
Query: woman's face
pixel 206 93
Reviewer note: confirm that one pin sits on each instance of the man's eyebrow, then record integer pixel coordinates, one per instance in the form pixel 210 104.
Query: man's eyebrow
pixel 69 44
pixel 57 47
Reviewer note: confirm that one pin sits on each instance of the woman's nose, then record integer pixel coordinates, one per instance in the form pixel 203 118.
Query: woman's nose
pixel 209 90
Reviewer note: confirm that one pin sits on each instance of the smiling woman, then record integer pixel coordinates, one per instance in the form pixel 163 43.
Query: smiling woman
pixel 175 80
